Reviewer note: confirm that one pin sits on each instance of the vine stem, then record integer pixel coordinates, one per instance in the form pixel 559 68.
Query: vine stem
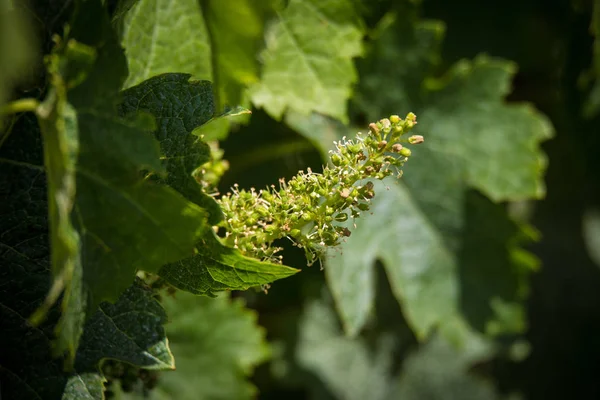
pixel 17 106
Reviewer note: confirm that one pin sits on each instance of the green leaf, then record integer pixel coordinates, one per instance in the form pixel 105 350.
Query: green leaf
pixel 162 36
pixel 179 106
pixel 217 267
pixel 129 330
pixel 421 268
pixel 438 370
pixel 346 366
pixel 127 223
pixel 308 59
pixel 364 367
pixel 208 41
pixel 424 227
pixel 497 143
pixel 234 45
pixel 217 343
pixel 106 220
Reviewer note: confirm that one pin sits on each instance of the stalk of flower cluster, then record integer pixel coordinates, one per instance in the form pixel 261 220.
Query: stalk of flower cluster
pixel 309 208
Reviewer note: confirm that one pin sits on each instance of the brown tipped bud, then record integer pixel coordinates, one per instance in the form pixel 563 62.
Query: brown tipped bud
pixel 396 148
pixel 415 139
pixel 382 144
pixel 373 127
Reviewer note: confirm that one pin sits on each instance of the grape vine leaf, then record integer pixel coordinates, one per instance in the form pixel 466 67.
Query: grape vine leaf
pixel 208 41
pixel 440 370
pixel 106 220
pixel 130 330
pixel 422 226
pixel 217 343
pixel 354 368
pixel 217 267
pixel 234 45
pixel 127 223
pixel 161 36
pixel 347 366
pixel 181 105
pixel 308 59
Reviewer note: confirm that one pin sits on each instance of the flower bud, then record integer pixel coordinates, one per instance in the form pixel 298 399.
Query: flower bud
pixel 415 139
pixel 354 148
pixel 394 119
pixel 374 128
pixel 382 144
pixel 411 120
pixel 405 152
pixel 386 124
pixel 396 147
pixel 336 160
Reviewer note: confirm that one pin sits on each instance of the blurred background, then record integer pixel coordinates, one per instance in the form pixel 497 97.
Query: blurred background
pixel 477 274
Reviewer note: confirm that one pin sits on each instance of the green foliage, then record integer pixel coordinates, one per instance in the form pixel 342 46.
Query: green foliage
pixel 207 42
pixel 110 194
pixel 119 217
pixel 438 370
pixel 162 36
pixel 432 246
pixel 312 41
pixel 217 267
pixel 216 343
pixel 353 368
pixel 347 366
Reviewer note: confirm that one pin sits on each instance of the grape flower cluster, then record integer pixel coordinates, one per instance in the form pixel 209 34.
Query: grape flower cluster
pixel 310 208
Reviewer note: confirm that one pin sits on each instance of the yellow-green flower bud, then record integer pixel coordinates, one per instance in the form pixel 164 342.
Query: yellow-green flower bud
pixel 336 160
pixel 405 152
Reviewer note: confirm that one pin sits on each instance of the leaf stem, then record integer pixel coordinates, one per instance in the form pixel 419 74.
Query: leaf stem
pixel 18 106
